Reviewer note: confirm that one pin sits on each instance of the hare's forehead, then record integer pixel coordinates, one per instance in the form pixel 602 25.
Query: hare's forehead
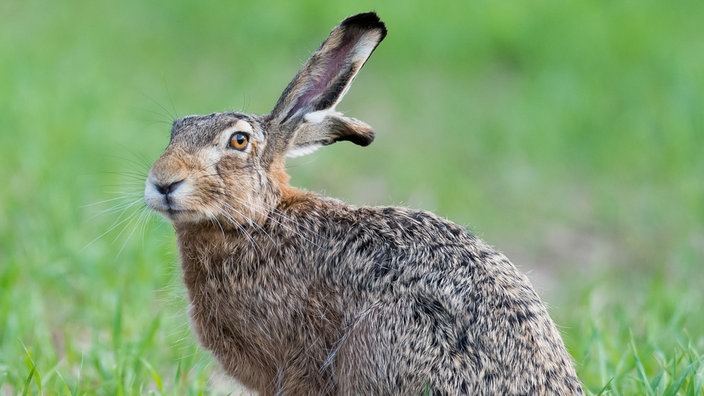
pixel 201 129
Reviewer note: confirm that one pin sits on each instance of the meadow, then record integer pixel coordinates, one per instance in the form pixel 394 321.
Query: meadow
pixel 567 134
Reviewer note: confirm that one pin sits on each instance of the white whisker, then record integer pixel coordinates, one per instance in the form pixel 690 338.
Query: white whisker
pixel 141 217
pixel 239 226
pixel 251 223
pixel 123 219
pixel 286 219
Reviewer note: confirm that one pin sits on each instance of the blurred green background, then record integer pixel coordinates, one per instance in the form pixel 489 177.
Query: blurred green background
pixel 567 134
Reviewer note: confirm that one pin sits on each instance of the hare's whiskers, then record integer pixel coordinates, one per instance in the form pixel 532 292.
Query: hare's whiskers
pixel 239 226
pixel 124 219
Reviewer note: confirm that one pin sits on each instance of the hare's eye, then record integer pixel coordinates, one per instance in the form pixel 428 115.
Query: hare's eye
pixel 239 141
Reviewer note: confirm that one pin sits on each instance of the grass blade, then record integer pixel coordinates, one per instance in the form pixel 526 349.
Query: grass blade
pixel 117 325
pixel 639 366
pixel 28 381
pixel 33 372
pixel 674 387
pixel 155 376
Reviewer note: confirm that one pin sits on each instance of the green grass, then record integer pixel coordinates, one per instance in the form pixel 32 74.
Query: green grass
pixel 569 135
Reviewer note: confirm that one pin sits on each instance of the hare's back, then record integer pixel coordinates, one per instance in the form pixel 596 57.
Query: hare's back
pixel 448 309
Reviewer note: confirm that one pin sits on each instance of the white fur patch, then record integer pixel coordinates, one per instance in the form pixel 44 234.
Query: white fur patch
pixel 240 126
pixel 155 200
pixel 317 117
pixel 209 156
pixel 152 197
pixel 303 150
pixel 366 45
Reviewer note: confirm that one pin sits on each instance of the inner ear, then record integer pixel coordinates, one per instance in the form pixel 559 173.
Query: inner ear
pixel 326 91
pixel 327 75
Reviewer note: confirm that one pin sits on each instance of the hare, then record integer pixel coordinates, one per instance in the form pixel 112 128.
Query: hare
pixel 294 293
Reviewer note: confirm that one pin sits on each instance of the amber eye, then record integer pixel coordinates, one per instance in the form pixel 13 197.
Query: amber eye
pixel 239 141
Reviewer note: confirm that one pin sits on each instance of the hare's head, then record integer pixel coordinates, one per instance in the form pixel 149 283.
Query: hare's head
pixel 229 167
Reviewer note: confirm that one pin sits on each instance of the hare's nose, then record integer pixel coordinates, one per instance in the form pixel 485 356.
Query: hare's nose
pixel 167 188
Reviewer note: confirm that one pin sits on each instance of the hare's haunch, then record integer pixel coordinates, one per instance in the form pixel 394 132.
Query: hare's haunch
pixel 299 294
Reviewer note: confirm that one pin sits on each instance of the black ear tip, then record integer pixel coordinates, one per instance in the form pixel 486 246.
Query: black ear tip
pixel 366 140
pixel 366 20
pixel 359 139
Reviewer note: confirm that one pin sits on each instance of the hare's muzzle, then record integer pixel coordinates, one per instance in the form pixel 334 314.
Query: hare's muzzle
pixel 166 195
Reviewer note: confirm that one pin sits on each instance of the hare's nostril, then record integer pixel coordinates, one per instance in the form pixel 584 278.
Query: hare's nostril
pixel 167 188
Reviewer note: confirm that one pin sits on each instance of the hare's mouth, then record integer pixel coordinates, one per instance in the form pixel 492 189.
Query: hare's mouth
pixel 173 212
pixel 179 215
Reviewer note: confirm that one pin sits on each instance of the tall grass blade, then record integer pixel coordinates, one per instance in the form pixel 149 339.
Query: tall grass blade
pixel 674 387
pixel 639 366
pixel 33 372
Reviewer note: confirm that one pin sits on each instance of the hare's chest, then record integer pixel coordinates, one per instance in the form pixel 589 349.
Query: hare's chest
pixel 229 306
pixel 213 307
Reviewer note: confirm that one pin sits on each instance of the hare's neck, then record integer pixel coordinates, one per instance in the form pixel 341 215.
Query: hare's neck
pixel 290 199
pixel 208 252
pixel 200 249
pixel 207 248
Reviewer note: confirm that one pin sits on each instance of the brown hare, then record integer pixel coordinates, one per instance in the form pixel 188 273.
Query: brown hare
pixel 298 294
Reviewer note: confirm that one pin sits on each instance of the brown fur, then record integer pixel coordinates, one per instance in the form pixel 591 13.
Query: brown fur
pixel 295 293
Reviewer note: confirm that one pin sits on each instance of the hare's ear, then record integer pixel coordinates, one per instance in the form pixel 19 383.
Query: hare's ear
pixel 305 111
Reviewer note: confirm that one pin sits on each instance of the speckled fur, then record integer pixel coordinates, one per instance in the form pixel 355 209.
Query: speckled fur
pixel 300 294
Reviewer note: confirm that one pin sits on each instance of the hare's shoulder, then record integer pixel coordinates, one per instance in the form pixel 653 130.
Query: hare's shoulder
pixel 385 226
pixel 389 233
pixel 414 223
